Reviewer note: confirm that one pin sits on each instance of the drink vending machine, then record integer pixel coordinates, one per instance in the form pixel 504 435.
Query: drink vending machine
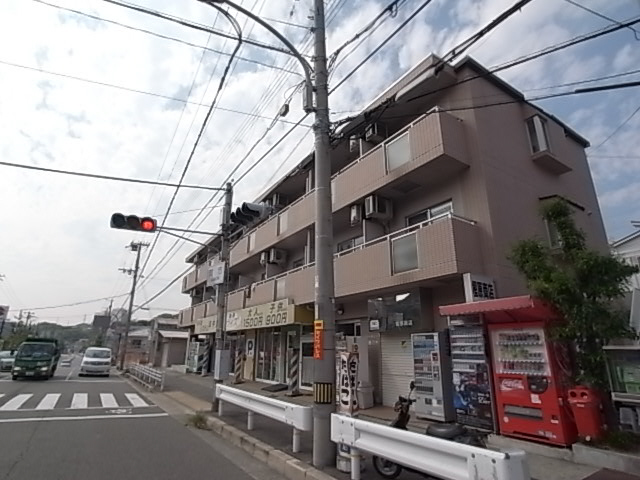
pixel 432 376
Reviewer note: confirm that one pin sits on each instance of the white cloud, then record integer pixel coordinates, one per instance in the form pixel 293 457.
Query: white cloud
pixel 55 244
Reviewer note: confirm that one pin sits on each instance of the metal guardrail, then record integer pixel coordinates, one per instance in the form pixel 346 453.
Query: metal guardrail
pixel 297 416
pixel 149 377
pixel 434 456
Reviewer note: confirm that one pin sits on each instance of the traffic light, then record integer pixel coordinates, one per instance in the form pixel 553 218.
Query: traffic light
pixel 249 213
pixel 133 222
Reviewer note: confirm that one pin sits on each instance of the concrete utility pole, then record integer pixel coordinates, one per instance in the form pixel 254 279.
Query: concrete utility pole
pixel 221 290
pixel 324 369
pixel 135 247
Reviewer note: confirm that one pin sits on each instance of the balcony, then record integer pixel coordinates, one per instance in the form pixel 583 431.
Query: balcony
pixel 444 246
pixel 185 317
pixel 235 299
pixel 195 277
pixel 432 149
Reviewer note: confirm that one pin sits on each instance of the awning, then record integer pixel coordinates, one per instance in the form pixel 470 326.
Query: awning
pixel 511 309
pixel 173 334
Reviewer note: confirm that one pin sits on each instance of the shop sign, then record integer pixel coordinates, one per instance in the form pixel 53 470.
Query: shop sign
pixel 274 314
pixel 215 273
pixel 205 325
pixel 348 383
pixel 250 347
pixel 511 384
pixel 318 327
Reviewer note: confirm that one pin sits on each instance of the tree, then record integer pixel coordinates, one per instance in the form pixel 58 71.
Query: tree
pixel 584 285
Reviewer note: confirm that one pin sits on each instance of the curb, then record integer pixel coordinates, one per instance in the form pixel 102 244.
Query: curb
pixel 283 463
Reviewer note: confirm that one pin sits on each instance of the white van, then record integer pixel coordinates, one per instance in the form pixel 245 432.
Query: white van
pixel 96 361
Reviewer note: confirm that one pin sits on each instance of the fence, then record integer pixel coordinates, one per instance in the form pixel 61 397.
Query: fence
pixel 297 416
pixel 434 456
pixel 149 377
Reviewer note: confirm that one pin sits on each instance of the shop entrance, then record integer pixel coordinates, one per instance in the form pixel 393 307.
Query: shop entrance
pixel 269 358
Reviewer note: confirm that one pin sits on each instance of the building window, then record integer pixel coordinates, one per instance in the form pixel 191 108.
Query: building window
pixel 136 342
pixel 553 234
pixel 283 220
pixel 398 152
pixel 538 137
pixel 404 253
pixel 349 244
pixel 269 355
pixel 252 241
pixel 430 213
pixel 297 263
pixel 281 288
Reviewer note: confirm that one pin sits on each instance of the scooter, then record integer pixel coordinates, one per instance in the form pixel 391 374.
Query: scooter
pixel 447 431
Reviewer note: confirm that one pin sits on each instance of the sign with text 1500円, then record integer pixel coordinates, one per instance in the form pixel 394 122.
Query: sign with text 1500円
pixel 348 383
pixel 318 327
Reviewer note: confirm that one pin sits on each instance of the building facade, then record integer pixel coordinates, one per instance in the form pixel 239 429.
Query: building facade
pixel 430 192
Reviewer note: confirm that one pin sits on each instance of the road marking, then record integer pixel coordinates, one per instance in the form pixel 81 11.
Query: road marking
pixel 48 402
pixel 136 400
pixel 108 400
pixel 16 402
pixel 69 376
pixel 84 417
pixel 80 400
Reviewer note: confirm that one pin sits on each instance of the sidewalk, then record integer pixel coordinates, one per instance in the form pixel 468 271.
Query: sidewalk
pixel 197 392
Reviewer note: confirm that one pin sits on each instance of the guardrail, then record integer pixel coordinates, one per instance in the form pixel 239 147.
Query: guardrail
pixel 149 377
pixel 434 456
pixel 297 416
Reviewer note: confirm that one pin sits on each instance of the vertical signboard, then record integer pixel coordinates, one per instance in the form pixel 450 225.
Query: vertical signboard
pixel 318 327
pixel 348 383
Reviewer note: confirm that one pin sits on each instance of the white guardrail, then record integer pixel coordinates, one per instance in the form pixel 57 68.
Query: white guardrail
pixel 150 377
pixel 442 458
pixel 297 416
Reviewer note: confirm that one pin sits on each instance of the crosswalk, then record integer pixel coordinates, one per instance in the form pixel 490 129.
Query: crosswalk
pixel 76 401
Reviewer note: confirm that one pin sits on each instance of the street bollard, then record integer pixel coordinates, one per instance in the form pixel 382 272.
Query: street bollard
pixel 249 420
pixel 296 440
pixel 355 464
pixel 219 407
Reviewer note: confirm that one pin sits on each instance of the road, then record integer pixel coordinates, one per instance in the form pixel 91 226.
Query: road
pixel 71 428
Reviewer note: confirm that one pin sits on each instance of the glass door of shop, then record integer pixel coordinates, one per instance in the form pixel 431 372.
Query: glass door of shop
pixel 269 355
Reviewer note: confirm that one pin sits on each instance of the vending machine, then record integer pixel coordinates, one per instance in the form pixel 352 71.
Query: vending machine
pixel 531 383
pixel 432 376
pixel 471 373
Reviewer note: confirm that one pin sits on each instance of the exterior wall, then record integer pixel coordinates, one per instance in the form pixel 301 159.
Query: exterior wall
pixel 629 251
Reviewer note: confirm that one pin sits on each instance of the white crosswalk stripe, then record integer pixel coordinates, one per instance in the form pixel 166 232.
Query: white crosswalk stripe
pixel 80 400
pixel 48 402
pixel 16 402
pixel 108 400
pixel 136 400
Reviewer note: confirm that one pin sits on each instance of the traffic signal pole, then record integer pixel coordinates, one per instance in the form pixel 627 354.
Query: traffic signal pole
pixel 135 247
pixel 221 291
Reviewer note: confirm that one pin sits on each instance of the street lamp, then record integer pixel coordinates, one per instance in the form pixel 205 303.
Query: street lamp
pixel 324 372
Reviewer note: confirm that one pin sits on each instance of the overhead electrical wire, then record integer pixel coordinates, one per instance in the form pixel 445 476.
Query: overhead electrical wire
pixel 74 304
pixel 617 129
pixel 160 35
pixel 602 16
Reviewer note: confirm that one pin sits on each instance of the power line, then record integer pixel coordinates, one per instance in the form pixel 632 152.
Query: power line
pixel 618 128
pixel 194 25
pixel 132 90
pixel 602 16
pixel 105 177
pixel 160 35
pixel 83 302
pixel 164 289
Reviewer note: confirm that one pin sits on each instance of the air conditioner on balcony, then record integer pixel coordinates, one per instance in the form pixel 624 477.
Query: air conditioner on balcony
pixel 375 133
pixel 277 256
pixel 264 258
pixel 355 215
pixel 278 201
pixel 354 144
pixel 377 207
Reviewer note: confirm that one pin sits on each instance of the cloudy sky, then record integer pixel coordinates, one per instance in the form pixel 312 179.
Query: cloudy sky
pixel 87 93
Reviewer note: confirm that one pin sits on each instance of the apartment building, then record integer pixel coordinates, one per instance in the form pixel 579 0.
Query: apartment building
pixel 430 191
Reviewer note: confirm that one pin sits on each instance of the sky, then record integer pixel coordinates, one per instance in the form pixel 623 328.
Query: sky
pixel 90 94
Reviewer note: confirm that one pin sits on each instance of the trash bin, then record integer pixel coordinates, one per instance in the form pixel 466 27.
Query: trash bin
pixel 365 396
pixel 585 405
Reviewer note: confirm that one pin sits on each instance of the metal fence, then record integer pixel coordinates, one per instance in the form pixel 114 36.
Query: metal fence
pixel 149 377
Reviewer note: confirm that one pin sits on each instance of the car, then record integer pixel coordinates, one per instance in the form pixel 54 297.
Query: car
pixel 96 361
pixel 7 359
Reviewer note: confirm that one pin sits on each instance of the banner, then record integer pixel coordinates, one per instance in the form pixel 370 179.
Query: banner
pixel 348 383
pixel 318 327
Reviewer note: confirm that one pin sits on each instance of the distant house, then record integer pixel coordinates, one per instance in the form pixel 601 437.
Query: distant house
pixel 628 249
pixel 168 342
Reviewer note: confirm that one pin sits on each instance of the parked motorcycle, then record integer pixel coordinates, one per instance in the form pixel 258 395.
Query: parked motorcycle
pixel 447 431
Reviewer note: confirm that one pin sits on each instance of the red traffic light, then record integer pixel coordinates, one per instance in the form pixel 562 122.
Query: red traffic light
pixel 148 224
pixel 133 222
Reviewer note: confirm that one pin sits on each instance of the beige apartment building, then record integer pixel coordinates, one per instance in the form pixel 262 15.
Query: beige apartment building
pixel 429 195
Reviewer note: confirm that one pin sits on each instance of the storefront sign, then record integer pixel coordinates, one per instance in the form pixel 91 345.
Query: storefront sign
pixel 215 273
pixel 251 347
pixel 269 315
pixel 348 383
pixel 318 327
pixel 205 325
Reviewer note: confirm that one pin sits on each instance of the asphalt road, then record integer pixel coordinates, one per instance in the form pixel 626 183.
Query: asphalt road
pixel 72 428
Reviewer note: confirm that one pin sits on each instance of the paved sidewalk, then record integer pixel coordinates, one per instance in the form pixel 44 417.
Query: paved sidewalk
pixel 198 391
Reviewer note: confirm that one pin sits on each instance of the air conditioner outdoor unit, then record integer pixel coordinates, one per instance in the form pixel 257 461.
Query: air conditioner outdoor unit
pixel 355 215
pixel 264 258
pixel 375 133
pixel 277 256
pixel 354 144
pixel 377 207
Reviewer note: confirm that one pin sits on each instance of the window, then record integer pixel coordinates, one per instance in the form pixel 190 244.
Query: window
pixel 297 263
pixel 252 241
pixel 537 130
pixel 430 213
pixel 555 240
pixel 349 244
pixel 280 288
pixel 283 220
pixel 136 342
pixel 404 253
pixel 398 152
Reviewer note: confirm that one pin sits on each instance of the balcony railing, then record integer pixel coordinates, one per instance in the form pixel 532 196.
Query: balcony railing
pixel 196 277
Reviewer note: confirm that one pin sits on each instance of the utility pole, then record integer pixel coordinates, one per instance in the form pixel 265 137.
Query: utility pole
pixel 221 291
pixel 324 369
pixel 135 247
